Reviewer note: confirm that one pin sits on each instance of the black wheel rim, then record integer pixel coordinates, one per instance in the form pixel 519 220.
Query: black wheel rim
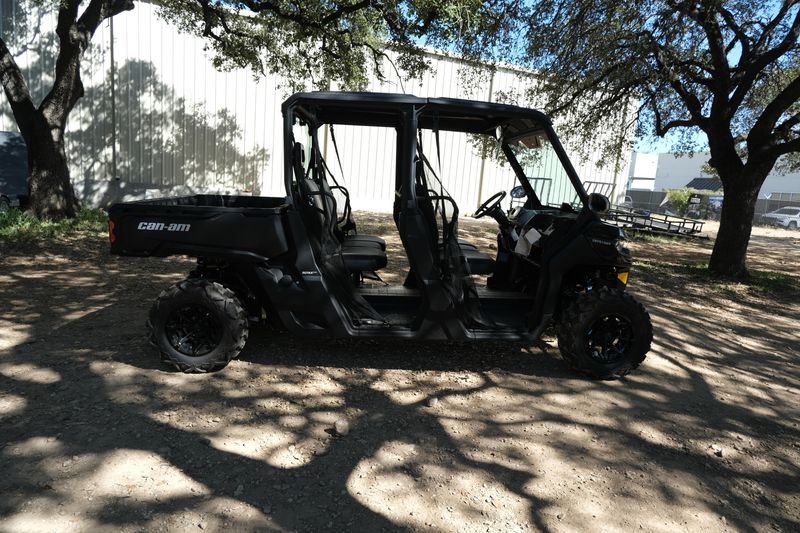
pixel 610 339
pixel 193 330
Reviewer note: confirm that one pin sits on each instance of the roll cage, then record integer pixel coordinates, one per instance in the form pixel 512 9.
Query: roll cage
pixel 408 115
pixel 439 285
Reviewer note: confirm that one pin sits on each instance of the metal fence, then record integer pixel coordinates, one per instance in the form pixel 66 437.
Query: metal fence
pixel 651 201
pixel 769 205
pixel 785 197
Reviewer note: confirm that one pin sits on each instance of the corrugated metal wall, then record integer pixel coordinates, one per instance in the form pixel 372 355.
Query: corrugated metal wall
pixel 177 125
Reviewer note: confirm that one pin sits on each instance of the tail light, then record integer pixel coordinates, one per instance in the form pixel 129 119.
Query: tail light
pixel 111 235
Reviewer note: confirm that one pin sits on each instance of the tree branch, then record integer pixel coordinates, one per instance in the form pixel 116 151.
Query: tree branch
pixel 786 147
pixel 772 24
pixel 692 102
pixel 297 17
pixel 210 13
pixel 761 132
pixel 74 35
pixel 738 31
pixel 96 12
pixel 716 46
pixel 342 11
pixel 660 126
pixel 753 68
pixel 16 90
pixel 786 126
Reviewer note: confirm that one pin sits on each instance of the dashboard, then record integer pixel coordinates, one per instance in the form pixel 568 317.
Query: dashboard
pixel 540 219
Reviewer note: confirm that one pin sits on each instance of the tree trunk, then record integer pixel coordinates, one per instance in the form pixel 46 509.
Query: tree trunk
pixel 42 127
pixel 729 257
pixel 51 192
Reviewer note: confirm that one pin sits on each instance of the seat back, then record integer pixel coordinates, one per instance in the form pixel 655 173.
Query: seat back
pixel 419 230
pixel 317 200
pixel 343 224
pixel 424 203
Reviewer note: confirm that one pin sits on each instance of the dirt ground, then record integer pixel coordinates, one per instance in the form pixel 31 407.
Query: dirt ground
pixel 97 435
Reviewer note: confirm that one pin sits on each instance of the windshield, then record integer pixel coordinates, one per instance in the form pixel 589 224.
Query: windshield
pixel 543 169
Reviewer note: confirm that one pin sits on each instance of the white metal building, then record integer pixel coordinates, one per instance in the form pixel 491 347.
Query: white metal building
pixel 158 119
pixel 642 171
pixel 670 171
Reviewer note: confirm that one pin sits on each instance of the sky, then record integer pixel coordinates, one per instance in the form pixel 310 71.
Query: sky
pixel 665 145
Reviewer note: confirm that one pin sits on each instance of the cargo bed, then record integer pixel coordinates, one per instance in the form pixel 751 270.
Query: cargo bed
pixel 202 225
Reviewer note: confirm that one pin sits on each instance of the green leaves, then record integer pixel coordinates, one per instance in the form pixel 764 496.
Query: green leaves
pixel 710 66
pixel 316 43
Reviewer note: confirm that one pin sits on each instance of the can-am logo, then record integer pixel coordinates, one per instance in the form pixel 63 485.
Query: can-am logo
pixel 160 226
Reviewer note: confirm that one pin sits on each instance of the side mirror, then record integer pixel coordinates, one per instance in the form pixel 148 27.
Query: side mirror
pixel 518 192
pixel 498 134
pixel 599 203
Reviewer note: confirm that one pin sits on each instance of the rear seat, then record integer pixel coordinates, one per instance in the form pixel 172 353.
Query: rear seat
pixel 361 253
pixel 369 241
pixel 357 258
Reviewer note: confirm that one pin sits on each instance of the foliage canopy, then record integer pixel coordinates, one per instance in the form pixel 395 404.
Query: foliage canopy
pixel 692 66
pixel 344 41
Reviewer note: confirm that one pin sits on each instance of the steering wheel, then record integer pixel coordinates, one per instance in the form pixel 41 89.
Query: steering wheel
pixel 489 205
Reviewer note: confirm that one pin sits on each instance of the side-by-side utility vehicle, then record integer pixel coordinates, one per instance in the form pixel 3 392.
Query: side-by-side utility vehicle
pixel 299 261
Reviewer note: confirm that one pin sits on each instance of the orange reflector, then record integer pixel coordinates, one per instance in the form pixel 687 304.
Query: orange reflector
pixel 623 277
pixel 111 236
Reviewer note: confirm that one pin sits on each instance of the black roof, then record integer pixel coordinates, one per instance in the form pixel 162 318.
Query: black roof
pixel 447 114
pixel 705 184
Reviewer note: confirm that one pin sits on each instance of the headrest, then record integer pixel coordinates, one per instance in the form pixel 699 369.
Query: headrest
pixel 298 153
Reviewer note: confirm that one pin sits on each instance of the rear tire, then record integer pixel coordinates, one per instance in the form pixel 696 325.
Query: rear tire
pixel 198 326
pixel 604 333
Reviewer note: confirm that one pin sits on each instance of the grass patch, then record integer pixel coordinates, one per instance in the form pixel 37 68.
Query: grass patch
pixel 645 237
pixel 641 237
pixel 17 225
pixel 763 280
pixel 772 281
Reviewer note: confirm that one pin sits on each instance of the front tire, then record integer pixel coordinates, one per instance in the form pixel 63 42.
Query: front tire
pixel 198 326
pixel 604 333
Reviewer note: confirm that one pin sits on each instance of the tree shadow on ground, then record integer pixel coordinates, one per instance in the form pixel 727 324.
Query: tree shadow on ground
pixel 96 434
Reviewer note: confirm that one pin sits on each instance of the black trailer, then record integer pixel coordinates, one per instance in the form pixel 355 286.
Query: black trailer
pixel 655 223
pixel 298 260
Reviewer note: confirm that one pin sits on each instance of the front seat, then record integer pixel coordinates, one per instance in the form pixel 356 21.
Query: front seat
pixel 477 261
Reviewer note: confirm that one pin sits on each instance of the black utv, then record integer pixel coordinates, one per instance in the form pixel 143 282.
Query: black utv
pixel 299 260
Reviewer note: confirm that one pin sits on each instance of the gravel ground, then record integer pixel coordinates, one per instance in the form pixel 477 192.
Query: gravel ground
pixel 95 434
